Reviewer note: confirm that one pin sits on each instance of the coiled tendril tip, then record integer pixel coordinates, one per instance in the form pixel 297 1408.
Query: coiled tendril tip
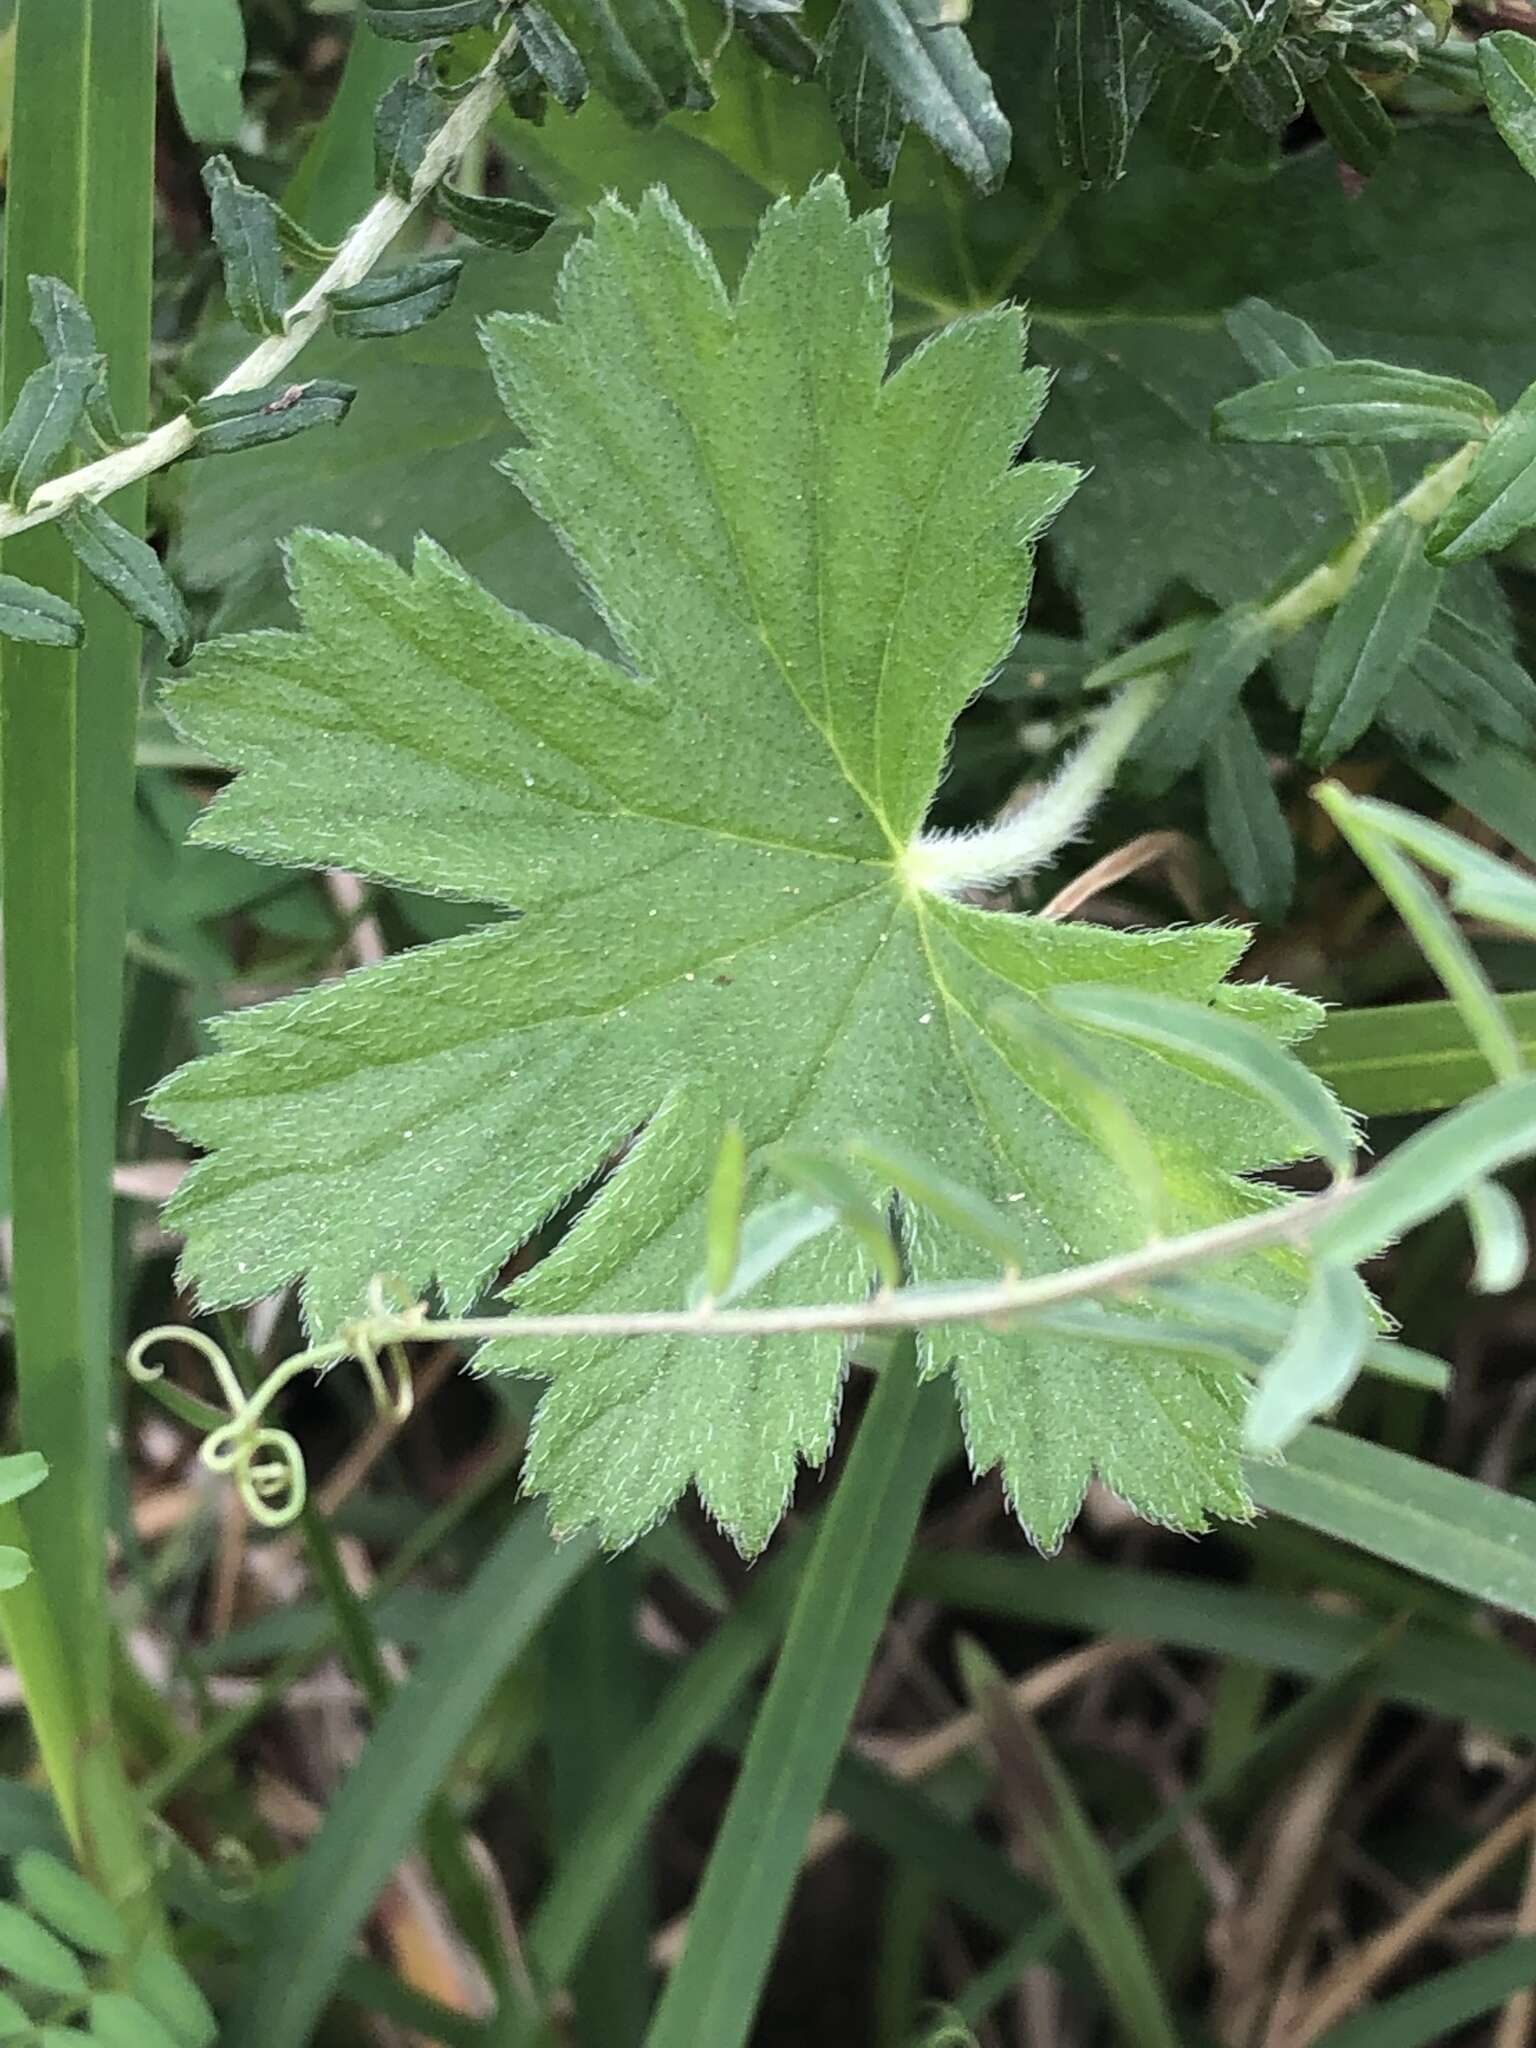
pixel 265 1462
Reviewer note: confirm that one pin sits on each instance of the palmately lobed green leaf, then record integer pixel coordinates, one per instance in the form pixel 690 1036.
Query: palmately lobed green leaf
pixel 808 564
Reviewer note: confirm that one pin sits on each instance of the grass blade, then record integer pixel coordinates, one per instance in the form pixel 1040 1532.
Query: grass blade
pixel 380 1806
pixel 639 1781
pixel 594 1704
pixel 1452 1673
pixel 1407 1058
pixel 80 199
pixel 1431 2012
pixel 1450 1529
pixel 1047 1813
pixel 839 1611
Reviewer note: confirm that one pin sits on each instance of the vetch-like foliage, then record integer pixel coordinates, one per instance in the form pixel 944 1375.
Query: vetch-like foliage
pixel 726 907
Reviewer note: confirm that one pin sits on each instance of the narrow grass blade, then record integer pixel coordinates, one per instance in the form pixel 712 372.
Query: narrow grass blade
pixel 79 209
pixel 1443 1671
pixel 1406 1058
pixel 1284 1736
pixel 205 41
pixel 840 1609
pixel 1450 1529
pixel 637 1783
pixel 376 1813
pixel 594 1705
pixel 1046 1812
pixel 1432 2012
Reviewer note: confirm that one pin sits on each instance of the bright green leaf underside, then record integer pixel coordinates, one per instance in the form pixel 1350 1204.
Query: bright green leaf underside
pixel 809 567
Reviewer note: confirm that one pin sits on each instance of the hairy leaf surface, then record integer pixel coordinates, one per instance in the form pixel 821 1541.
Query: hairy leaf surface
pixel 707 851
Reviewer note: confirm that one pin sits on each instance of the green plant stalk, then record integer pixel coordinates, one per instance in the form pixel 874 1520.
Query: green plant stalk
pixel 1323 588
pixel 839 1611
pixel 81 208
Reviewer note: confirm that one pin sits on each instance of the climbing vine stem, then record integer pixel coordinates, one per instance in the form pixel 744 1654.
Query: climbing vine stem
pixel 267 1465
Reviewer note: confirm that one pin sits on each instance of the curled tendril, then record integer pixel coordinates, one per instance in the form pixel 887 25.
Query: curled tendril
pixel 266 1462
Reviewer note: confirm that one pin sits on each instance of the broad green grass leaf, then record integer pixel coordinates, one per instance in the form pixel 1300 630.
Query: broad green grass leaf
pixel 709 849
pixel 1407 1058
pixel 371 1822
pixel 1435 2010
pixel 1045 1810
pixel 1455 1531
pixel 1448 1671
pixel 844 1593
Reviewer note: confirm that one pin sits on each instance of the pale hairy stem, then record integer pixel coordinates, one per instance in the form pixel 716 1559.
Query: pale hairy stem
pixel 358 255
pixel 901 1308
